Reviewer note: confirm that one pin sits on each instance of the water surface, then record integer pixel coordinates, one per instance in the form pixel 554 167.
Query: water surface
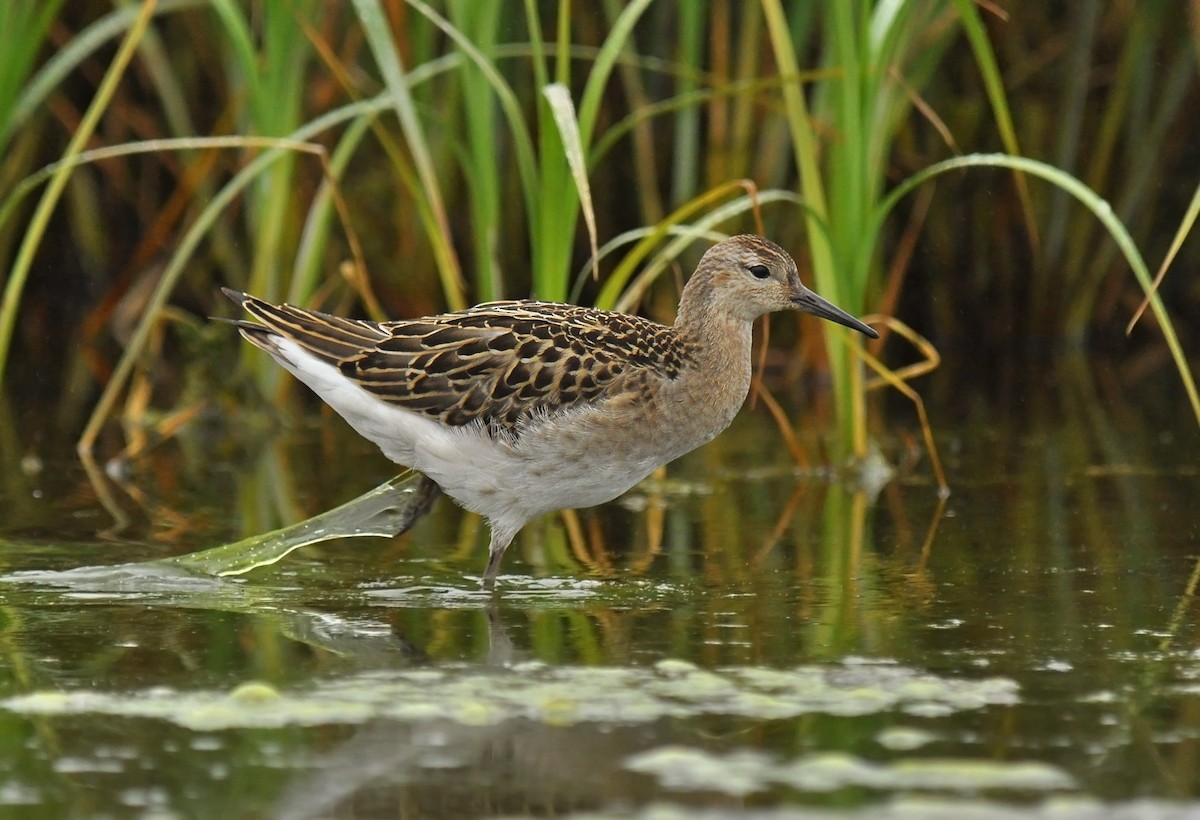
pixel 741 638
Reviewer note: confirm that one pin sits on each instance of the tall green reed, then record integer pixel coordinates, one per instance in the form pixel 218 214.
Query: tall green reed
pixel 873 53
pixel 22 36
pixel 552 168
pixel 268 67
pixel 479 23
pixel 36 229
pixel 515 121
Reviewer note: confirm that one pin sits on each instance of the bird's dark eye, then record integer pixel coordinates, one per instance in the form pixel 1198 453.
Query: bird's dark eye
pixel 759 271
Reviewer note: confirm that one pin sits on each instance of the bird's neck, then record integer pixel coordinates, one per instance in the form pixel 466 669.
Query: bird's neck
pixel 718 376
pixel 723 338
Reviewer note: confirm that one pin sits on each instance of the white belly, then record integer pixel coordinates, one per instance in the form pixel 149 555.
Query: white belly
pixel 548 468
pixel 582 458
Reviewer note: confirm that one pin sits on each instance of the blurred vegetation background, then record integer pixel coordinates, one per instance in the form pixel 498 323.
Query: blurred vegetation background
pixel 400 158
pixel 444 145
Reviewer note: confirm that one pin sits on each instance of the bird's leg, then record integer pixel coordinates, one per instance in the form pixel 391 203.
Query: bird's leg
pixel 502 536
pixel 422 498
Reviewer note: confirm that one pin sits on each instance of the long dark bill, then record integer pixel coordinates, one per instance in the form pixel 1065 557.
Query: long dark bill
pixel 810 302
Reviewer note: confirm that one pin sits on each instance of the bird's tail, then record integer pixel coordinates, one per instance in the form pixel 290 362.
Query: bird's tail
pixel 331 338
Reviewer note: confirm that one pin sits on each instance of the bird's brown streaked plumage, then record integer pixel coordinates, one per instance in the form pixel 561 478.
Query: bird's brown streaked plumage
pixel 519 408
pixel 498 363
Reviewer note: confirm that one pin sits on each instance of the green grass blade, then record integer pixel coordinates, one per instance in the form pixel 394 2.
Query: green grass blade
pixel 83 45
pixel 383 47
pixel 1139 180
pixel 240 42
pixel 481 161
pixel 677 104
pixel 1093 202
pixel 537 50
pixel 558 97
pixel 602 67
pixel 1185 228
pixel 558 207
pixel 274 105
pixel 41 217
pixel 306 270
pixel 805 147
pixel 1075 88
pixel 846 170
pixel 993 83
pixel 21 38
pixel 825 205
pixel 509 105
pixel 187 246
pixel 562 44
pixel 687 152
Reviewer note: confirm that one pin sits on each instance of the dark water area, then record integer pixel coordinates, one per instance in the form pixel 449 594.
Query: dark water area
pixel 740 638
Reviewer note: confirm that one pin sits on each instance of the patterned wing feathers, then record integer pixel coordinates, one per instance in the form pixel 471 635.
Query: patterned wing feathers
pixel 331 338
pixel 484 369
pixel 500 363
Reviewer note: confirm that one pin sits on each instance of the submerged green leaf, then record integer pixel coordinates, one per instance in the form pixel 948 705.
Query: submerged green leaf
pixel 381 512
